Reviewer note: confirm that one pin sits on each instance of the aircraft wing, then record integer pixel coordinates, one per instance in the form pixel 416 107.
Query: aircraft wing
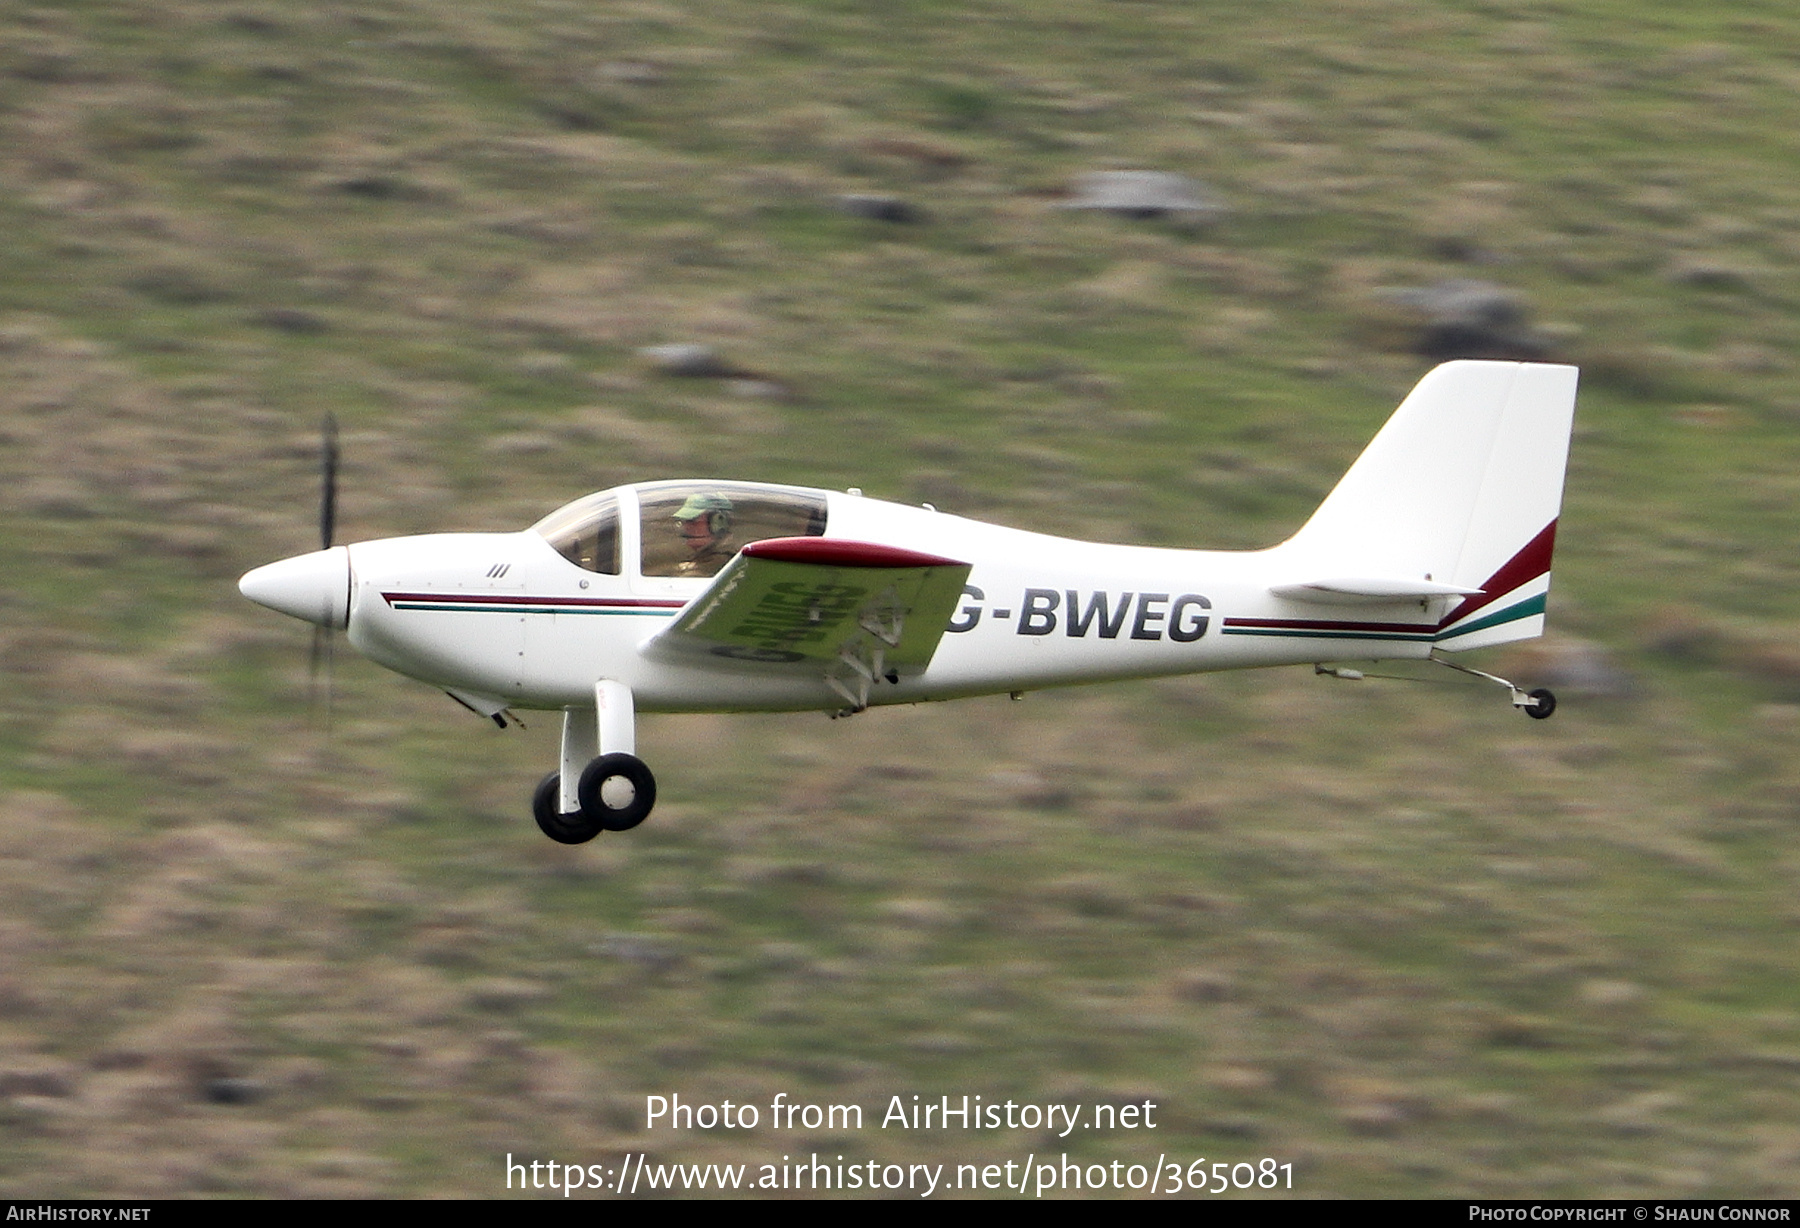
pixel 848 612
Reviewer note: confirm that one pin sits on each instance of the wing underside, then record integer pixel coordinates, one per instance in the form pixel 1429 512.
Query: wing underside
pixel 852 614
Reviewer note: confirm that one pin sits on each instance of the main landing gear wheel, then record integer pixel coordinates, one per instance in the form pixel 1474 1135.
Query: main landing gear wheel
pixel 564 827
pixel 617 791
pixel 1543 703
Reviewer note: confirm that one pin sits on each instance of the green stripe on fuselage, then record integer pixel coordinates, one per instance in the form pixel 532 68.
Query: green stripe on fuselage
pixel 1512 613
pixel 1525 609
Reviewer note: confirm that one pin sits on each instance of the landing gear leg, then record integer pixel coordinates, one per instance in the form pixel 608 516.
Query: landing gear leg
pixel 616 790
pixel 564 827
pixel 589 794
pixel 557 805
pixel 1537 704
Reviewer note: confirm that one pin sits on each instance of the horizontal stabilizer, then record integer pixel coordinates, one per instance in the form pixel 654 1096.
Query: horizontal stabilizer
pixel 1370 590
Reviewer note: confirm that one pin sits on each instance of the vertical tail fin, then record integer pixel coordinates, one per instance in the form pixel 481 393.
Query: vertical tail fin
pixel 1463 486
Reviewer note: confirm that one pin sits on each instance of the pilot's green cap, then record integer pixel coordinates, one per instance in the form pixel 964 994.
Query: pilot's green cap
pixel 702 505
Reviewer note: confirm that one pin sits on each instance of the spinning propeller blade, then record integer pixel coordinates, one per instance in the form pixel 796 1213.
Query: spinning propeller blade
pixel 328 467
pixel 324 646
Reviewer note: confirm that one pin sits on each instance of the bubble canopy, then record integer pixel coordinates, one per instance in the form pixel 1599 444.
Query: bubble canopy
pixel 684 528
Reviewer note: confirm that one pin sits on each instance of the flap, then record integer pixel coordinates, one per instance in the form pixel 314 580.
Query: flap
pixel 811 602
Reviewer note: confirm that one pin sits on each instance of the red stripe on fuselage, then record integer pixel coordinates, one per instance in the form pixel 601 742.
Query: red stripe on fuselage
pixel 626 603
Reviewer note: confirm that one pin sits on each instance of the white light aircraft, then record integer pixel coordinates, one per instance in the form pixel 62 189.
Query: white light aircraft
pixel 716 596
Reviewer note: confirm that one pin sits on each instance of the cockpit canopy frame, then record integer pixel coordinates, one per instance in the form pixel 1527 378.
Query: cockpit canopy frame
pixel 685 528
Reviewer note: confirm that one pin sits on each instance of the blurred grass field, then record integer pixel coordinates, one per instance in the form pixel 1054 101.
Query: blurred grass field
pixel 1389 932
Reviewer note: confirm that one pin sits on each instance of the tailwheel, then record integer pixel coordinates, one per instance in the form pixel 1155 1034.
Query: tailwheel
pixel 1538 704
pixel 564 827
pixel 617 791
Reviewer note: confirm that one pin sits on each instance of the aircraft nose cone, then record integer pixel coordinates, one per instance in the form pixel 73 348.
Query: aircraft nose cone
pixel 313 587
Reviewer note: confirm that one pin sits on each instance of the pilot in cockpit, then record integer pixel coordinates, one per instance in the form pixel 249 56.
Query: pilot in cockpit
pixel 704 522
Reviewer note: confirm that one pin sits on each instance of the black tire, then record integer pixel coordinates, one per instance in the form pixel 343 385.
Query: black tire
pixel 1542 705
pixel 571 827
pixel 605 768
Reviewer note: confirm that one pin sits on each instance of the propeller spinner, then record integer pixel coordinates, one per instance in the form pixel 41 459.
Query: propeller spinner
pixel 312 587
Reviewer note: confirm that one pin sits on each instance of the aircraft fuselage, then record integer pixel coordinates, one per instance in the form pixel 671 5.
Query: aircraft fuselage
pixel 505 616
